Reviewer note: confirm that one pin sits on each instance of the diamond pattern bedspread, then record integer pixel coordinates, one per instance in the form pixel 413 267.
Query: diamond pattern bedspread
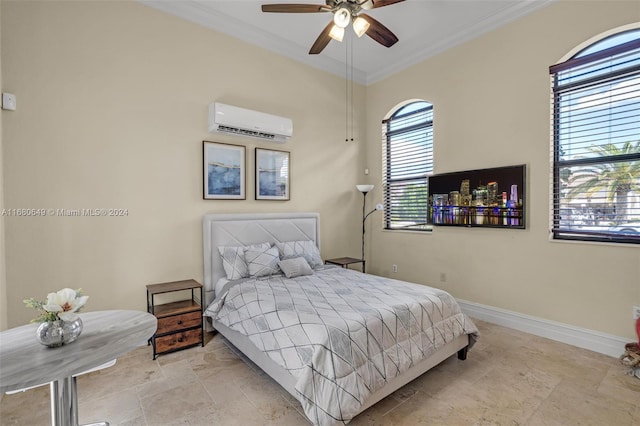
pixel 341 333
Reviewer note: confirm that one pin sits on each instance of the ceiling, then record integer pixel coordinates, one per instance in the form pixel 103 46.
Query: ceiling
pixel 424 27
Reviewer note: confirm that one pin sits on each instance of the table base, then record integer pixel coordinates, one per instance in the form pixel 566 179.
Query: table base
pixel 64 403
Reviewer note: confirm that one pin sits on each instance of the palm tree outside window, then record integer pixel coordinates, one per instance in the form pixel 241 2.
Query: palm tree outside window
pixel 596 142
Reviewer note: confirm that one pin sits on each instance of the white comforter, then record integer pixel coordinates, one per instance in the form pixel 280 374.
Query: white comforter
pixel 341 333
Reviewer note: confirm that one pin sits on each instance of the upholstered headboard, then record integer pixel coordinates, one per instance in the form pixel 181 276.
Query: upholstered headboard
pixel 252 228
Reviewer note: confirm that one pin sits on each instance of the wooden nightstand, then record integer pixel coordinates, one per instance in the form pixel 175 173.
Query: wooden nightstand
pixel 179 323
pixel 345 261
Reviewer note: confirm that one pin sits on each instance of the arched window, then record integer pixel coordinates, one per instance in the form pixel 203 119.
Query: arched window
pixel 596 142
pixel 408 160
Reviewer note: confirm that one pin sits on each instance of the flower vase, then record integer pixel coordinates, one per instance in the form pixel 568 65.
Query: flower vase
pixel 54 334
pixel 71 330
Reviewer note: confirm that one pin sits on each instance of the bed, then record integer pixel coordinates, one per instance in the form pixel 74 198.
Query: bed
pixel 336 339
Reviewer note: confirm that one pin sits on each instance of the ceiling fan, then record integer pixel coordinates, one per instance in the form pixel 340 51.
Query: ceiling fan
pixel 344 12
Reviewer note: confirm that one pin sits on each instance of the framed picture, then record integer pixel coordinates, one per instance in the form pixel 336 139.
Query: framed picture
pixel 224 171
pixel 493 198
pixel 272 174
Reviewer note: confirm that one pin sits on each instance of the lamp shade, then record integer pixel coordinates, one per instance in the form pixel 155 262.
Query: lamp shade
pixel 365 188
pixel 336 33
pixel 360 26
pixel 342 17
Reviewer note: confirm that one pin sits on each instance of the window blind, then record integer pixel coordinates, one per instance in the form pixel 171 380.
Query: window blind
pixel 596 143
pixel 407 161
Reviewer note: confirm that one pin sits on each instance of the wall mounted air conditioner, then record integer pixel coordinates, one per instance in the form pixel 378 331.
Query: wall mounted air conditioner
pixel 245 122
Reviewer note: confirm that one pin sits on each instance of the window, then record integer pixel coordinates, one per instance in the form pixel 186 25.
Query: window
pixel 596 142
pixel 407 161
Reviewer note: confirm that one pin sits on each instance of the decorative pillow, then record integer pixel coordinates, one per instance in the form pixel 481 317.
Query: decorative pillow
pixel 233 260
pixel 305 248
pixel 262 261
pixel 295 267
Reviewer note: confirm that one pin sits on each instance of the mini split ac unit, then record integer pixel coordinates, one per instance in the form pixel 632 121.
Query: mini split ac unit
pixel 244 122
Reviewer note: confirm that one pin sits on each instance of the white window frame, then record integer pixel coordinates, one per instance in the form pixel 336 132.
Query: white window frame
pixel 581 150
pixel 407 161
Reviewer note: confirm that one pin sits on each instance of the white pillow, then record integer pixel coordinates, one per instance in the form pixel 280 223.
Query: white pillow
pixel 233 260
pixel 304 248
pixel 295 267
pixel 262 261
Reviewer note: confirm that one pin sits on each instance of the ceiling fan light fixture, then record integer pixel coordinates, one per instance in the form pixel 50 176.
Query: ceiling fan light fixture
pixel 367 5
pixel 360 26
pixel 343 13
pixel 336 33
pixel 342 17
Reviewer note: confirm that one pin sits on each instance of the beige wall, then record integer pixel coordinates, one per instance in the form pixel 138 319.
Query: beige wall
pixel 3 280
pixel 491 100
pixel 112 110
pixel 112 113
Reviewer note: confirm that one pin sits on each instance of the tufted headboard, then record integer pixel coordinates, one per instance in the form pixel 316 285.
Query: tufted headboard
pixel 250 228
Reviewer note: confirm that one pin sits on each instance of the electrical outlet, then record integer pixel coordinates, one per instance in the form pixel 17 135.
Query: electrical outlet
pixel 443 277
pixel 394 268
pixel 636 312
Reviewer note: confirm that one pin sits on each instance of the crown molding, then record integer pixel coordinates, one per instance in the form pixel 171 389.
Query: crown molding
pixel 197 11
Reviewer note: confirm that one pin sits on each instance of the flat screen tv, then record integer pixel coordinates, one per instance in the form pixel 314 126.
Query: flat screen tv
pixel 492 198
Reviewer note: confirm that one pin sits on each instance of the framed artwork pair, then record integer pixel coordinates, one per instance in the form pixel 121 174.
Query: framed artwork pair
pixel 224 170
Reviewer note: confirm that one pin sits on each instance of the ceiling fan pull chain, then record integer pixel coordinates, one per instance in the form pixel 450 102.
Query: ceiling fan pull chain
pixel 351 79
pixel 346 91
pixel 344 12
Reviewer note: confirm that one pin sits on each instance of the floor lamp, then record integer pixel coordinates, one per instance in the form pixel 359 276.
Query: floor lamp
pixel 364 189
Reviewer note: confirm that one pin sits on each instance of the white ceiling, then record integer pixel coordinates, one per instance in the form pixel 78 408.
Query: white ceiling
pixel 424 27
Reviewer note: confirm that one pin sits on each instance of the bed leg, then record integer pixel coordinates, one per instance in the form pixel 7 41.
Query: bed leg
pixel 462 353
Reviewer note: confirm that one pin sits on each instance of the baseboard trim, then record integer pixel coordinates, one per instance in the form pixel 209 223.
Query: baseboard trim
pixel 596 341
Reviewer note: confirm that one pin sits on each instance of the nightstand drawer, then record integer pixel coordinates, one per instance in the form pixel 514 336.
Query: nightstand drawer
pixel 178 340
pixel 179 322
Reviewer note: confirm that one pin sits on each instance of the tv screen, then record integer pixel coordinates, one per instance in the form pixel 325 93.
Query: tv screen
pixel 487 197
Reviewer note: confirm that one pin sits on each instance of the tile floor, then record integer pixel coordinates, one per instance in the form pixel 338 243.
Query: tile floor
pixel 509 378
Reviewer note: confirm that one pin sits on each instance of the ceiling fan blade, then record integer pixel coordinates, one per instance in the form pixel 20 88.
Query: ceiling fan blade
pixel 382 3
pixel 322 40
pixel 379 32
pixel 295 8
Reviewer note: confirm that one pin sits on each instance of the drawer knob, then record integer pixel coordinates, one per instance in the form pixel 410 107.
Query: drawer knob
pixel 180 339
pixel 180 322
